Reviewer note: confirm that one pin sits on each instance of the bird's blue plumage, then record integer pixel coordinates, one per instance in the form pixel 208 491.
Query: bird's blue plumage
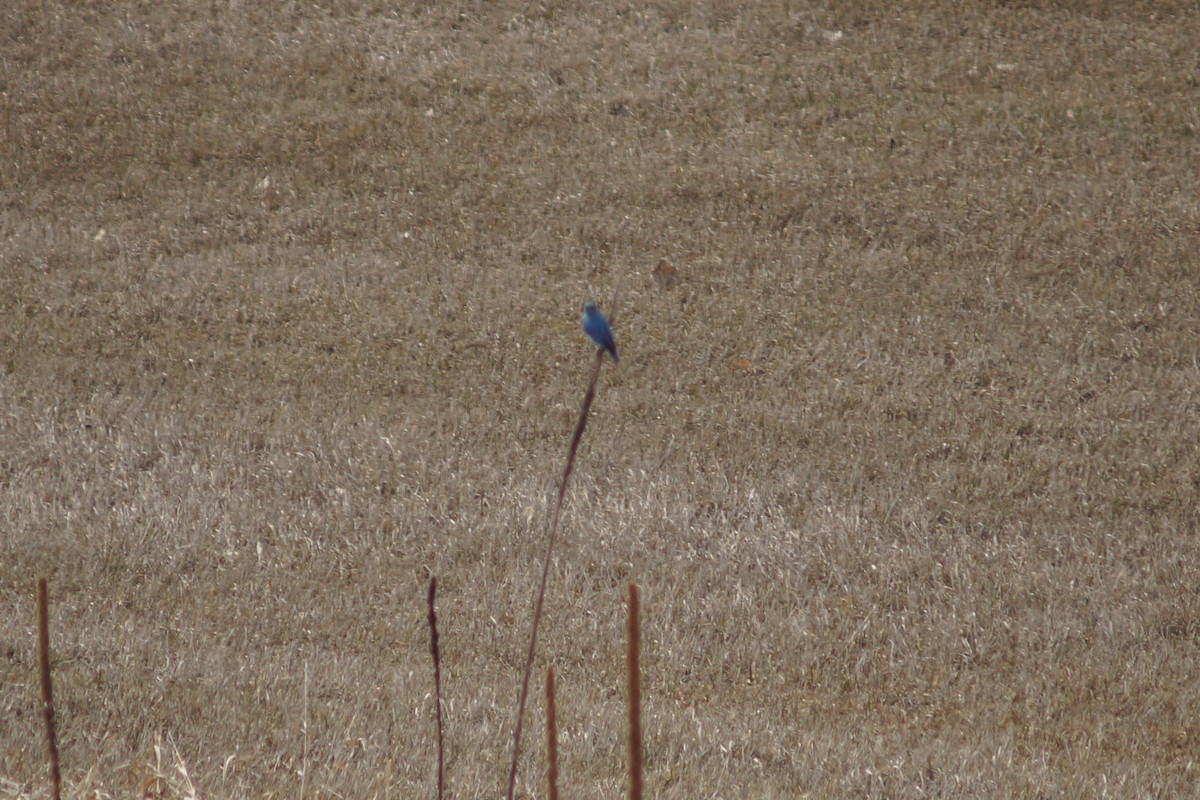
pixel 596 327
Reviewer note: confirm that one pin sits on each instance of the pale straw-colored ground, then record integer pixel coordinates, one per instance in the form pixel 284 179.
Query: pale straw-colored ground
pixel 902 448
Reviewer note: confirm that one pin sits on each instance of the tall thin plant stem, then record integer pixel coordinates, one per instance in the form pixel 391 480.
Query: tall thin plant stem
pixel 551 738
pixel 43 622
pixel 437 687
pixel 541 595
pixel 634 670
pixel 304 745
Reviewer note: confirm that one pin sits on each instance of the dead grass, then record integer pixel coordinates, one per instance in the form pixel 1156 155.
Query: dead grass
pixel 904 462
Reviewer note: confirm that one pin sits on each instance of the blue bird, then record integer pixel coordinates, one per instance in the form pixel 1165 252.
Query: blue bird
pixel 596 327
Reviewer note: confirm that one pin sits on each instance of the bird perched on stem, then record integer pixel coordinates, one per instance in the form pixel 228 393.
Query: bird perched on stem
pixel 596 327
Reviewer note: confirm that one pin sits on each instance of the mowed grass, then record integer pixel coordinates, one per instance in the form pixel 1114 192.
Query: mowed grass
pixel 902 455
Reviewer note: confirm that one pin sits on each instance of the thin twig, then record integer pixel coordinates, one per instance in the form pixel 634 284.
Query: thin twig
pixel 551 738
pixel 541 595
pixel 634 670
pixel 437 686
pixel 304 730
pixel 43 622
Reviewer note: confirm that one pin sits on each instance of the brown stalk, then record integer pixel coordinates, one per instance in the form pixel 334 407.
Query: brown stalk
pixel 43 621
pixel 541 595
pixel 551 738
pixel 437 686
pixel 634 670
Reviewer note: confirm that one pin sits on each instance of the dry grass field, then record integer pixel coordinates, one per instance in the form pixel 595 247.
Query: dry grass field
pixel 902 450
